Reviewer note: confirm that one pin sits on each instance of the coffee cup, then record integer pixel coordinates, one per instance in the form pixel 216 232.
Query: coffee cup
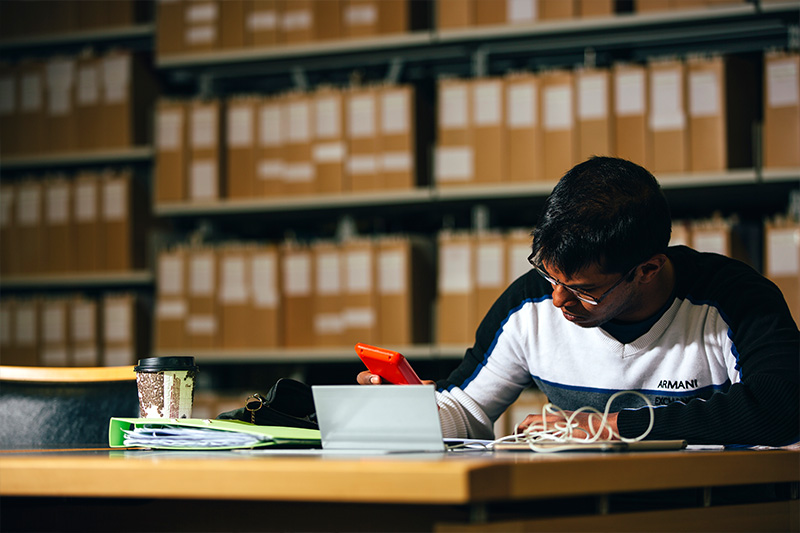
pixel 166 386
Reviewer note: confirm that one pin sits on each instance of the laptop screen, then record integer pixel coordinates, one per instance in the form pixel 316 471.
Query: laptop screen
pixel 378 418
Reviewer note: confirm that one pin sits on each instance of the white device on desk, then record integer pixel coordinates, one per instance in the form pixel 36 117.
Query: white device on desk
pixel 388 418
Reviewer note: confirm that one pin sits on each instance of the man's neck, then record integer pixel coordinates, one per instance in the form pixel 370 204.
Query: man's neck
pixel 654 296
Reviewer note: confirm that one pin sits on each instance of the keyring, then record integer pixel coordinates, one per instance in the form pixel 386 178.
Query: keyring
pixel 253 403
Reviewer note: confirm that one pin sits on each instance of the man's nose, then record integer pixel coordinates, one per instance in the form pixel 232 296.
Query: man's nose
pixel 562 296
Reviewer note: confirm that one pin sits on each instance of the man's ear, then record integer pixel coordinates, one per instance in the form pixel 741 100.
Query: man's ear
pixel 650 268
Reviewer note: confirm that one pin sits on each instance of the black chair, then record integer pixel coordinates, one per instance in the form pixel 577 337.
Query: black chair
pixel 48 407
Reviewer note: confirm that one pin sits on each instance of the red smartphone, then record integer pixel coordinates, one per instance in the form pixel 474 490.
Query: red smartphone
pixel 389 365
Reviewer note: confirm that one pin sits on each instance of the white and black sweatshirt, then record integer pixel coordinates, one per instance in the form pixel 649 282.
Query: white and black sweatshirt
pixel 721 365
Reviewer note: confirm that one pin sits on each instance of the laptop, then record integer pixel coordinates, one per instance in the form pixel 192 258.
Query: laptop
pixel 387 418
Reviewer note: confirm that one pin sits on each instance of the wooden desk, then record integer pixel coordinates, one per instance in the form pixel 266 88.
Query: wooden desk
pixel 449 492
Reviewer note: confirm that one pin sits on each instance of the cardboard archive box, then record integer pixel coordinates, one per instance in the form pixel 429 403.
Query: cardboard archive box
pixel 89 106
pixel 781 110
pixel 59 230
pixel 782 261
pixel 490 12
pixel 488 130
pixel 235 293
pixel 681 234
pixel 454 14
pixel 360 17
pixel 360 291
pixel 401 16
pixel 558 123
pixel 9 109
pixel 128 92
pixel 33 119
pixel 490 271
pixel 455 307
pixel 297 22
pixel 518 248
pixel 84 329
pixel 667 122
pixel 266 322
pixel 171 149
pixel 718 235
pixel 125 215
pixel 55 345
pixel 262 25
pixel 405 285
pixel 397 132
pixel 297 275
pixel 329 23
pixel 593 98
pixel 630 113
pixel 201 25
pixel 9 258
pixel 523 129
pixel 7 345
pixel 202 320
pixel 240 156
pixel 595 8
pixel 455 159
pixel 363 143
pixel 298 171
pixel 329 150
pixel 206 140
pixel 26 321
pixel 170 27
pixel 329 297
pixel 721 92
pixel 125 329
pixel 172 308
pixel 233 16
pixel 87 220
pixel 557 9
pixel 61 131
pixel 270 155
pixel 29 224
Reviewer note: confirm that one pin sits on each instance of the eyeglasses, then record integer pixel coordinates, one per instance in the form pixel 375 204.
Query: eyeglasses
pixel 579 294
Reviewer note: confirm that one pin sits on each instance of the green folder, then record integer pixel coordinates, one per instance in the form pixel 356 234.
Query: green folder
pixel 275 436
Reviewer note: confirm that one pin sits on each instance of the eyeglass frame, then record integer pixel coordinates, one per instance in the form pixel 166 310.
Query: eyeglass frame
pixel 578 293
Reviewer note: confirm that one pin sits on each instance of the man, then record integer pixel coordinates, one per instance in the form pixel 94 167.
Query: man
pixel 609 307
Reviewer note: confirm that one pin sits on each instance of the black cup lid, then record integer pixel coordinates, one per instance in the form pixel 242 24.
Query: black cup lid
pixel 159 364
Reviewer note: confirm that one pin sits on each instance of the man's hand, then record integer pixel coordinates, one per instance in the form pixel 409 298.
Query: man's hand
pixel 582 420
pixel 368 378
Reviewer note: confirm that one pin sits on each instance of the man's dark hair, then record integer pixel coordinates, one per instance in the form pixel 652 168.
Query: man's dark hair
pixel 605 211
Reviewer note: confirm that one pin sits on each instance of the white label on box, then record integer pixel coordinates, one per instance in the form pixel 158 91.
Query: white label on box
pixel 359 317
pixel 361 15
pixel 115 201
pixel 710 241
pixel 297 20
pixel 88 85
pixel 329 276
pixel 361 116
pixel 59 102
pixel 118 356
pixel 83 322
pixel 522 106
pixel 557 108
pixel 240 126
pixel 117 78
pixel 29 209
pixel 520 11
pixel 592 97
pixel 362 165
pixel 394 112
pixel 234 284
pixel 629 93
pixel 201 274
pixel 270 133
pixel 331 152
pixel 666 102
pixel 8 95
pixel 454 269
pixel 518 260
pixel 262 21
pixel 327 112
pixel 86 202
pixel 704 92
pixel 53 322
pixel 392 272
pixel 117 321
pixel 204 124
pixel 170 275
pixel 203 181
pixel 201 12
pixel 5 326
pixel 60 80
pixel 397 162
pixel 453 107
pixel 271 169
pixel 171 309
pixel 31 93
pixel 299 125
pixel 201 324
pixel 57 203
pixel 358 271
pixel 297 275
pixel 264 279
pixel 489 266
pixel 25 325
pixel 169 130
pixel 782 83
pixel 783 252
pixel 299 173
pixel 487 103
pixel 454 163
pixel 328 323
